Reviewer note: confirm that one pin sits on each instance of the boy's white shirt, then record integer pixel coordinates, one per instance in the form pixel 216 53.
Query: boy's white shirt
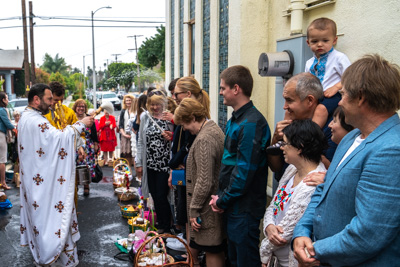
pixel 336 64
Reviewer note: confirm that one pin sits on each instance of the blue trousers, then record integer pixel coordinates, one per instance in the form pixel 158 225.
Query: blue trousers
pixel 243 238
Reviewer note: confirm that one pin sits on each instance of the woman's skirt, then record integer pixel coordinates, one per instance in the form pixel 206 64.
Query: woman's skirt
pixel 125 145
pixel 3 148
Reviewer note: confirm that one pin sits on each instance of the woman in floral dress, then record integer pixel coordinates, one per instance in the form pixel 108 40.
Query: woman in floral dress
pixel 91 144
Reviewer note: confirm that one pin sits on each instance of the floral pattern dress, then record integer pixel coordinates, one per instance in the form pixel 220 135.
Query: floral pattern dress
pixel 90 154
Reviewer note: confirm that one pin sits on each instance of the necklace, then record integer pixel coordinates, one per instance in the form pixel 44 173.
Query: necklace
pixel 204 122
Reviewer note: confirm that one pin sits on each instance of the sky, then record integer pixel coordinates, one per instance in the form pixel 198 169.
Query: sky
pixel 75 43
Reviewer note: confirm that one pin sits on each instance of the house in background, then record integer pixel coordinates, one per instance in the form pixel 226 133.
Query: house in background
pixel 10 61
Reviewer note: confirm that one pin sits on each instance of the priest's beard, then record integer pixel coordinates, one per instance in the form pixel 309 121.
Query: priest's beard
pixel 43 107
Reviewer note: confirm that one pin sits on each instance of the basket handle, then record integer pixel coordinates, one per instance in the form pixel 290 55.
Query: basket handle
pixel 188 260
pixel 147 241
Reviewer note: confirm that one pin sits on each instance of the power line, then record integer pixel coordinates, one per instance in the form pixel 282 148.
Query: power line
pixel 83 26
pixel 84 19
pixel 104 20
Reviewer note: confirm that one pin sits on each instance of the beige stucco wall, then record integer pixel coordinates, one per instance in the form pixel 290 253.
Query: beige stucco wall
pixel 364 26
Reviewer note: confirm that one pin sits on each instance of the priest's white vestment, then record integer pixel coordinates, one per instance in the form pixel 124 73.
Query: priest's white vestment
pixel 49 224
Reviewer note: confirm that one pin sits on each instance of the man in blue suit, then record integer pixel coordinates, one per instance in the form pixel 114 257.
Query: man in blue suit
pixel 353 218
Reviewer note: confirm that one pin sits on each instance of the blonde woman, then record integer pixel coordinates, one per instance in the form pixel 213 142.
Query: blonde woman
pixel 153 153
pixel 128 111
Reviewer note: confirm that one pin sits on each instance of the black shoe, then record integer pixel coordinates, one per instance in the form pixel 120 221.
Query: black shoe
pixel 275 149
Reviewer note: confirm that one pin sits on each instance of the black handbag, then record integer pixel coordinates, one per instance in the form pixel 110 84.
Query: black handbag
pixel 98 174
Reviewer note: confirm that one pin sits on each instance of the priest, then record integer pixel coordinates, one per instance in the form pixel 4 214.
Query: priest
pixel 48 223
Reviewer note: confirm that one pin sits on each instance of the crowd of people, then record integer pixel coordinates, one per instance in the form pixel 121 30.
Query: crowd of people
pixel 335 156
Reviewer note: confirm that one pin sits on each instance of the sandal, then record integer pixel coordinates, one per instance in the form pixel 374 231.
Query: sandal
pixel 6 187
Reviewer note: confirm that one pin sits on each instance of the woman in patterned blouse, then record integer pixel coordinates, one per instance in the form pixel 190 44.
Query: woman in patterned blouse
pixel 153 154
pixel 303 144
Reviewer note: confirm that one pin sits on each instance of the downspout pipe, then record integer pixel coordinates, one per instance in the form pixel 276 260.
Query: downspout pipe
pixel 297 8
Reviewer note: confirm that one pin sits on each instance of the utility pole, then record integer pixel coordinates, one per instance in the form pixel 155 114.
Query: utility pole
pixel 137 60
pixel 116 57
pixel 26 61
pixel 33 74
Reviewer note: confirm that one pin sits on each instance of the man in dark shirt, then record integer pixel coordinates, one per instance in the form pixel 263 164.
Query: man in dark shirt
pixel 244 171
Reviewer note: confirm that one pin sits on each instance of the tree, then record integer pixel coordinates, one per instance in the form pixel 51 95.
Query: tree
pixel 127 78
pixel 152 51
pixel 57 77
pixel 53 65
pixel 148 77
pixel 115 69
pixel 42 76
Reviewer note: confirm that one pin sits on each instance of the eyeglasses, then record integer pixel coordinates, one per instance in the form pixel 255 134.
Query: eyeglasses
pixel 176 94
pixel 283 143
pixel 81 107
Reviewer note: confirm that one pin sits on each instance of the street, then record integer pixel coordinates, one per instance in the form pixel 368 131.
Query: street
pixel 100 224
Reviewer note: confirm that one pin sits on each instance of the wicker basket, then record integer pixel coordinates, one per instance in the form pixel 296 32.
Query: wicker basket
pixel 118 168
pixel 128 214
pixel 139 255
pixel 124 195
pixel 133 227
pixel 120 161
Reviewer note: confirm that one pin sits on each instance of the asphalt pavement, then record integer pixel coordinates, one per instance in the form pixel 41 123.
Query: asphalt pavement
pixel 100 225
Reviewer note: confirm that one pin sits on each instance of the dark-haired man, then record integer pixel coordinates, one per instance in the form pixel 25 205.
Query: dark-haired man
pixel 244 171
pixel 49 224
pixel 58 92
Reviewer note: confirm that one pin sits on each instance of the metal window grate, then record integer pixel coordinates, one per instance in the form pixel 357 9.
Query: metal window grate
pixel 223 57
pixel 181 8
pixel 172 39
pixel 206 45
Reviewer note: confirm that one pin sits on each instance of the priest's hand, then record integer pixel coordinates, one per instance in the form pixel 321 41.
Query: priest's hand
pixel 88 121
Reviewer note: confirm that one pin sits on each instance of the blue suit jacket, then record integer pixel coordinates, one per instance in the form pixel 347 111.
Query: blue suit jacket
pixel 354 216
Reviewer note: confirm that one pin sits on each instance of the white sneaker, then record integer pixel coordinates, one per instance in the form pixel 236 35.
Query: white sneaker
pixel 176 245
pixel 171 239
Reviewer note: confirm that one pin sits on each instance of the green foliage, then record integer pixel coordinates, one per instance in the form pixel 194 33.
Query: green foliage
pixel 147 77
pixel 57 77
pixel 116 69
pixel 152 51
pixel 53 65
pixel 110 83
pixel 19 82
pixel 42 76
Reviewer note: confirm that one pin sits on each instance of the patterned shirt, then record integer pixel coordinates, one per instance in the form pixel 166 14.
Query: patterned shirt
pixel 244 170
pixel 158 149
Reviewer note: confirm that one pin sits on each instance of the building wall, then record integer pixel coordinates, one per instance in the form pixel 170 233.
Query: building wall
pixel 364 26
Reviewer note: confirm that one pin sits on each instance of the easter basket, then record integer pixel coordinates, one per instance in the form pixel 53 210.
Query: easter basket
pixel 158 259
pixel 128 211
pixel 120 170
pixel 133 225
pixel 125 194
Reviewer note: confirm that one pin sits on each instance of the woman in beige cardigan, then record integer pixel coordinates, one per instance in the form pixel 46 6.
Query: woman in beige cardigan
pixel 202 171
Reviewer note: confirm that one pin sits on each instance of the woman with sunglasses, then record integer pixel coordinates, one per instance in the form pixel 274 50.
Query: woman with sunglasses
pixel 303 144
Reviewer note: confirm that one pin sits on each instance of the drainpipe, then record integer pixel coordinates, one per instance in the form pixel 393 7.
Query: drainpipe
pixel 297 9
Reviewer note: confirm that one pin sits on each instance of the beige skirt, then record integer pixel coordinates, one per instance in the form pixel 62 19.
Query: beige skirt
pixel 125 145
pixel 3 148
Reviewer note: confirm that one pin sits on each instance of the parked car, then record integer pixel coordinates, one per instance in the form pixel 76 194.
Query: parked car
pixel 108 96
pixel 18 104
